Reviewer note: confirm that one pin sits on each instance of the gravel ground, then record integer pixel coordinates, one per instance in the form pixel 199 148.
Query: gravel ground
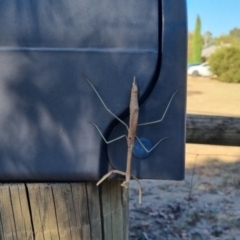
pixel 207 204
pixel 204 206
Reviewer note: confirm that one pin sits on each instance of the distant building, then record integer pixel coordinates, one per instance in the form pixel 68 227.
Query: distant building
pixel 206 52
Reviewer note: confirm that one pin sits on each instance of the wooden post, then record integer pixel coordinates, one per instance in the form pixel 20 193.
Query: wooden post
pixel 68 211
pixel 216 130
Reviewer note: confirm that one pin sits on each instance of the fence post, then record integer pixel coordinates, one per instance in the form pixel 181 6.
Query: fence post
pixel 64 211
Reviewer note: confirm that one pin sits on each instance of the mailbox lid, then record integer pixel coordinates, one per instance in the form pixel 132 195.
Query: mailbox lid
pixel 45 106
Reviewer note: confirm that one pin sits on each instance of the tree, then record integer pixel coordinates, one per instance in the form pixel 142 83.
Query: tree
pixel 197 41
pixel 226 39
pixel 208 39
pixel 235 33
pixel 225 63
pixel 190 47
pixel 233 38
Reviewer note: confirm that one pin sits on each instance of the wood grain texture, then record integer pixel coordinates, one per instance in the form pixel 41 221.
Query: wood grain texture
pixel 64 211
pixel 115 215
pixel 216 130
pixel 15 221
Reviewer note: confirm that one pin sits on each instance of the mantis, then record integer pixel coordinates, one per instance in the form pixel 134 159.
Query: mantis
pixel 132 130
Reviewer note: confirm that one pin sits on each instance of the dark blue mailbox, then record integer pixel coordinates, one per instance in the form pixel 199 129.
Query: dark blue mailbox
pixel 45 103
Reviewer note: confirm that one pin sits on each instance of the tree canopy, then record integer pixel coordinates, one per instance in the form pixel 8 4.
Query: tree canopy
pixel 197 42
pixel 225 63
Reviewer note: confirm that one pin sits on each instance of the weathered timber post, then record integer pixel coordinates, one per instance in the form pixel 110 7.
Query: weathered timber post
pixel 71 211
pixel 216 130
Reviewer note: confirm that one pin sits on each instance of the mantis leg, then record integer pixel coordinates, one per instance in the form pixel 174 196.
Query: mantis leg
pixel 109 174
pixel 107 142
pixel 95 90
pixel 124 184
pixel 163 116
pixel 148 151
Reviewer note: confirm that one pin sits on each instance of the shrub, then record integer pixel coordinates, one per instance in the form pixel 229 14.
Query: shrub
pixel 225 63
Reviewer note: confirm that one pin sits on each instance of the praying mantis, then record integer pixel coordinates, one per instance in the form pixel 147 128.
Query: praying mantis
pixel 132 130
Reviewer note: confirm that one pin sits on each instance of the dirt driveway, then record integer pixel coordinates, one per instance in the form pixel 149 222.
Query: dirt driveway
pixel 211 97
pixel 207 204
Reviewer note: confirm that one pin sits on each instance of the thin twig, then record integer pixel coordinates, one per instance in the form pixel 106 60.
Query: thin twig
pixel 189 199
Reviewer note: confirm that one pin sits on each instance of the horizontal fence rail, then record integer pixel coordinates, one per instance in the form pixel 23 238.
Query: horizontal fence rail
pixel 216 130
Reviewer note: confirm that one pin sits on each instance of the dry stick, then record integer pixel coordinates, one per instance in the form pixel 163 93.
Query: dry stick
pixel 132 129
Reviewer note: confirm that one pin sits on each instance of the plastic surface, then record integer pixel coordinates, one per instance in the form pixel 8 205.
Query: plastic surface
pixel 45 104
